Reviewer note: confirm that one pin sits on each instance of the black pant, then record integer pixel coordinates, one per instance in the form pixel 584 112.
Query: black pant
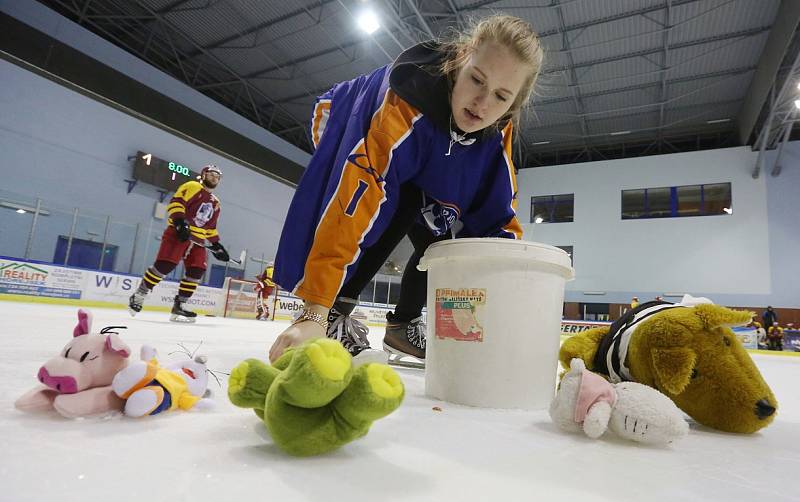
pixel 414 285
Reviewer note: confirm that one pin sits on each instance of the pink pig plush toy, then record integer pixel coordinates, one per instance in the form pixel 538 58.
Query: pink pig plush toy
pixel 77 382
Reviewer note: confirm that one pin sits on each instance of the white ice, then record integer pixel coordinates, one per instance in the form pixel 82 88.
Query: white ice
pixel 458 453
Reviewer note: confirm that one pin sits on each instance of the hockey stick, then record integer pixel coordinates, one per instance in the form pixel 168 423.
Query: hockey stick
pixel 242 255
pixel 274 301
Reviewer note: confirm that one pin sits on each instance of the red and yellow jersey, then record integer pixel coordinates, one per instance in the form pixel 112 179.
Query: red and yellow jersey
pixel 265 278
pixel 774 332
pixel 199 207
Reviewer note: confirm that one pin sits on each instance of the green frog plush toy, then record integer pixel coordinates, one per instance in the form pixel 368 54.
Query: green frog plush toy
pixel 312 400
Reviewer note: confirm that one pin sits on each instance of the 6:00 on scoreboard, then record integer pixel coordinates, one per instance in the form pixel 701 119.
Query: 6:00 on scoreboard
pixel 165 174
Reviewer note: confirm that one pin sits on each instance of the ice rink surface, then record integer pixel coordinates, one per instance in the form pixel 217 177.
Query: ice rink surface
pixel 417 453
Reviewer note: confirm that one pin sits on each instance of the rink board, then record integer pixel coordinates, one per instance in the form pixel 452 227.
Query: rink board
pixel 45 283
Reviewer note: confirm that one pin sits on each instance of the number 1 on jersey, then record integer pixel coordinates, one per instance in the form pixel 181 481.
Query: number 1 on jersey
pixel 351 208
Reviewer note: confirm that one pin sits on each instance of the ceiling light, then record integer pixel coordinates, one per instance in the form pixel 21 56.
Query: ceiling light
pixel 368 21
pixel 619 133
pixel 24 207
pixel 541 143
pixel 797 103
pixel 717 121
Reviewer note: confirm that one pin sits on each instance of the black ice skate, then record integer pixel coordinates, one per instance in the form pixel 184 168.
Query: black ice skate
pixel 352 334
pixel 135 302
pixel 179 313
pixel 405 341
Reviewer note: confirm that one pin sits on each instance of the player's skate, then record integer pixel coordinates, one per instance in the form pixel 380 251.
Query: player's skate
pixel 135 302
pixel 262 311
pixel 352 334
pixel 179 313
pixel 405 341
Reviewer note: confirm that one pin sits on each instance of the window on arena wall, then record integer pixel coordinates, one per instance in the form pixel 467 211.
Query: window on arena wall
pixel 552 208
pixel 677 202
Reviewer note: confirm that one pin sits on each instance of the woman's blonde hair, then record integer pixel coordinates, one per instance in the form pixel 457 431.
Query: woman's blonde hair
pixel 511 32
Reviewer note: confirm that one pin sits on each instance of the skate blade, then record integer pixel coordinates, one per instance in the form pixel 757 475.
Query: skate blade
pixel 132 312
pixel 403 360
pixel 412 363
pixel 181 319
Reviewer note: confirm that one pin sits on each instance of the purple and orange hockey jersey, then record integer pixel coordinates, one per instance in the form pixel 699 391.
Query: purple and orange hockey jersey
pixel 369 140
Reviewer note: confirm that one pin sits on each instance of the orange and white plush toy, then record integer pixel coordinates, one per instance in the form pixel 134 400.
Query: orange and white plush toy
pixel 149 388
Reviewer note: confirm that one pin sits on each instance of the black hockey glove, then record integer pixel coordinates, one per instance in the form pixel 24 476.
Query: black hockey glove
pixel 219 252
pixel 183 230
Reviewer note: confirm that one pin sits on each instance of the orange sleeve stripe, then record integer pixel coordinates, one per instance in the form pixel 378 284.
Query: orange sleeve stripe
pixel 345 221
pixel 513 226
pixel 321 113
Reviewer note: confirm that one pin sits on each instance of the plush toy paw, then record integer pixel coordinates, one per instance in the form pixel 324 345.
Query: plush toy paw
pixel 312 400
pixel 318 372
pixel 375 391
pixel 134 377
pixel 36 400
pixel 249 382
pixel 145 401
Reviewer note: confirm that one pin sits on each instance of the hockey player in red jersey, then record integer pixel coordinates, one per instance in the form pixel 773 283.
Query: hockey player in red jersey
pixel 264 288
pixel 193 214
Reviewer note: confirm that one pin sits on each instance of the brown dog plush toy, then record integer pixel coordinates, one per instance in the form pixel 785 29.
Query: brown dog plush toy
pixel 687 351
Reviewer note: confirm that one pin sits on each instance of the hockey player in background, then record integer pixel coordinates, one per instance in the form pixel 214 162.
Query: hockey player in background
pixel 264 288
pixel 193 214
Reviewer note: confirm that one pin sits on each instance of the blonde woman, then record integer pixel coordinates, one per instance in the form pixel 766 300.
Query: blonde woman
pixel 421 147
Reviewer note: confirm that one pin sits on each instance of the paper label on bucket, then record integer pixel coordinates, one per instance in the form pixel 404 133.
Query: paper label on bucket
pixel 458 313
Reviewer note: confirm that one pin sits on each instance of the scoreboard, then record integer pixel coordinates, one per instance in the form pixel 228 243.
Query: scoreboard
pixel 165 174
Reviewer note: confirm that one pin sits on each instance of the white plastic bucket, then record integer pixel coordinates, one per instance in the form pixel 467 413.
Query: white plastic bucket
pixel 494 321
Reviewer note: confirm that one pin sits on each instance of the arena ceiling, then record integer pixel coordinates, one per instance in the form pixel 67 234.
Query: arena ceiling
pixel 621 78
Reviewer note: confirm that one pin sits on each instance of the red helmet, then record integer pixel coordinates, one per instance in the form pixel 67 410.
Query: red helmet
pixel 211 168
